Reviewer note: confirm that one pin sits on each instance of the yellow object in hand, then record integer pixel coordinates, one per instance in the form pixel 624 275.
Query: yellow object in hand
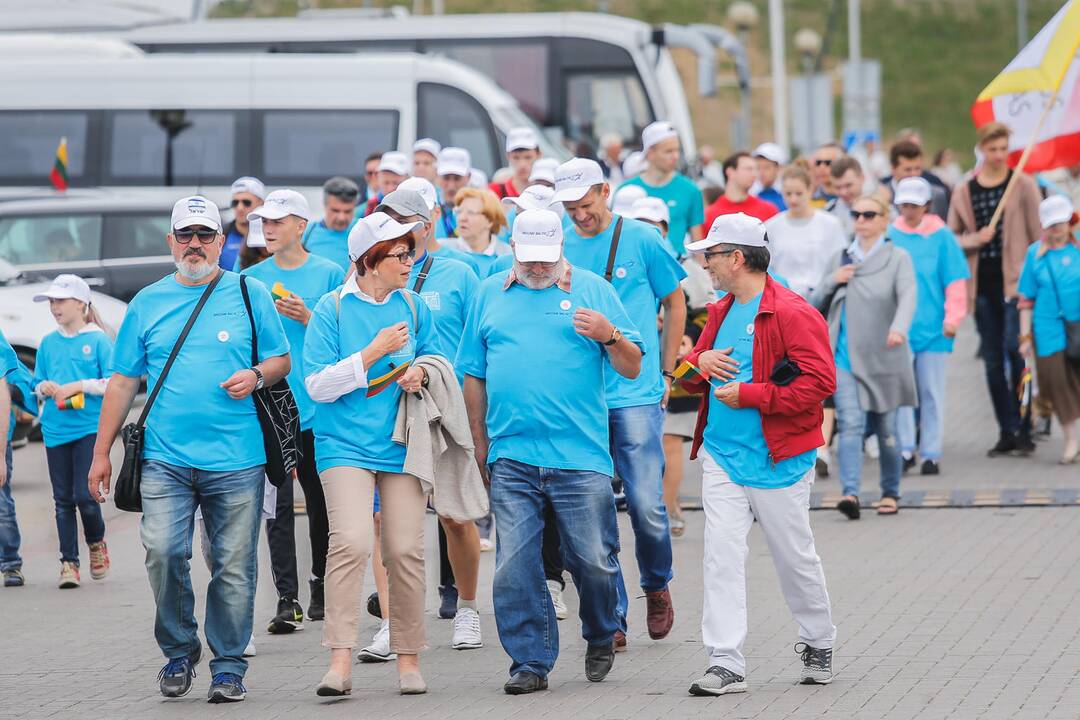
pixel 75 402
pixel 278 291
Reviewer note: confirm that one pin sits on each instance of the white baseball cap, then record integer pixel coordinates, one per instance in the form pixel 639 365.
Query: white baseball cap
pixel 544 170
pixel 770 151
pixel 912 191
pixel 282 203
pixel 652 209
pixel 66 286
pixel 376 228
pixel 454 161
pixel 394 162
pixel 537 236
pixel 737 229
pixel 425 189
pixel 478 178
pixel 574 178
pixel 634 164
pixel 657 132
pixel 249 184
pixel 534 197
pixel 622 202
pixel 431 147
pixel 255 237
pixel 521 138
pixel 1055 209
pixel 195 210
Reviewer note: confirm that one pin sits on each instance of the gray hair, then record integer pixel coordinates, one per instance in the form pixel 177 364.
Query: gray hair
pixel 341 188
pixel 757 258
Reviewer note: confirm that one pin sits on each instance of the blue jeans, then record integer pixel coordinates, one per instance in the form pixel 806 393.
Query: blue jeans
pixel 69 464
pixel 852 420
pixel 638 451
pixel 9 525
pixel 930 380
pixel 231 505
pixel 584 509
pixel 998 323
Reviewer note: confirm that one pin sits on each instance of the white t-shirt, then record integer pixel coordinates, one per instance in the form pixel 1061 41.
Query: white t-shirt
pixel 802 249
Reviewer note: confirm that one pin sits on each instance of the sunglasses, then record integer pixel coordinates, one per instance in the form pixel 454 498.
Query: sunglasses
pixel 185 236
pixel 245 202
pixel 865 215
pixel 819 163
pixel 710 255
pixel 403 255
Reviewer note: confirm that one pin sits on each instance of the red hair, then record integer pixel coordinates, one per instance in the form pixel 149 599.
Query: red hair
pixel 379 252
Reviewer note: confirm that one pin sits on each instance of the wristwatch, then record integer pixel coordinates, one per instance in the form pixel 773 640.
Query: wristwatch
pixel 616 336
pixel 260 382
pixel 668 375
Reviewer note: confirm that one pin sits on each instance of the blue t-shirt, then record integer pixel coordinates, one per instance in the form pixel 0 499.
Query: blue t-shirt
pixel 355 430
pixel 230 251
pixel 483 265
pixel 938 262
pixel 1037 285
pixel 448 292
pixel 330 244
pixel 774 196
pixel 734 438
pixel 194 423
pixel 9 362
pixel 843 360
pixel 445 251
pixel 447 225
pixel 643 274
pixel 685 205
pixel 86 356
pixel 545 382
pixel 316 277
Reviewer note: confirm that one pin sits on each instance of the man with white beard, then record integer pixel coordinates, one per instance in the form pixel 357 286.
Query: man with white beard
pixel 203 444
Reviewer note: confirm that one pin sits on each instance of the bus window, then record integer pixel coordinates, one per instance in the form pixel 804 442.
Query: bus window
pixel 205 147
pixel 454 118
pixel 603 102
pixel 49 239
pixel 304 147
pixel 28 143
pixel 518 67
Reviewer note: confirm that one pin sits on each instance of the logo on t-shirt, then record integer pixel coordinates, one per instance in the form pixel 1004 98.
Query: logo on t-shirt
pixel 750 328
pixel 86 350
pixel 620 273
pixel 433 299
pixel 223 336
pixel 565 304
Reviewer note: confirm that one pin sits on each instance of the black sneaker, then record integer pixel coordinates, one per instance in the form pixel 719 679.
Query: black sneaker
pixel 1006 445
pixel 1042 428
pixel 1025 446
pixel 175 678
pixel 909 462
pixel 817 665
pixel 930 467
pixel 718 680
pixel 226 688
pixel 448 606
pixel 289 618
pixel 316 609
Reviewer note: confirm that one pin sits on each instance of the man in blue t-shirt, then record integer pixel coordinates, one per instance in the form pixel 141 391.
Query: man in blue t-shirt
pixel 248 193
pixel 454 168
pixel 646 278
pixel 297 280
pixel 537 344
pixel 10 561
pixel 329 238
pixel 203 446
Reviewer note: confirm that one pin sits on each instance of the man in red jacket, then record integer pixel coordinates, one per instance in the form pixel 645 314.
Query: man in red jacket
pixel 765 354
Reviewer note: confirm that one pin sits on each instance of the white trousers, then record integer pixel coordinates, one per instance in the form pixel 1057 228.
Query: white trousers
pixel 784 516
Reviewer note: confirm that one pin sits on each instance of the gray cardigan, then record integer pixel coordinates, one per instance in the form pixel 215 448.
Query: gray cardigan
pixel 882 293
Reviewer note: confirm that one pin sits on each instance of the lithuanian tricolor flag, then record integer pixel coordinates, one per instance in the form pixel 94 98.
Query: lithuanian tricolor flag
pixel 379 384
pixel 59 177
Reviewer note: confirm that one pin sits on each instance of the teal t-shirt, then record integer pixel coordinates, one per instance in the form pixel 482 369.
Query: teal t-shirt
pixel 734 438
pixel 9 362
pixel 939 261
pixel 355 430
pixel 545 382
pixel 643 274
pixel 1051 308
pixel 330 244
pixel 843 360
pixel 483 265
pixel 316 277
pixel 685 205
pixel 194 423
pixel 86 356
pixel 448 292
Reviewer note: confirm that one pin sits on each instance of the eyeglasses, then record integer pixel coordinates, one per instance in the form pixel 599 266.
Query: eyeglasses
pixel 204 236
pixel 865 215
pixel 821 162
pixel 710 255
pixel 402 256
pixel 241 201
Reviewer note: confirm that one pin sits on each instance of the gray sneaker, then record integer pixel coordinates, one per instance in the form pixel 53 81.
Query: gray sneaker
pixel 718 680
pixel 175 678
pixel 817 664
pixel 226 688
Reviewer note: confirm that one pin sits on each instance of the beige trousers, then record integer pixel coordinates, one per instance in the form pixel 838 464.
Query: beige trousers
pixel 349 500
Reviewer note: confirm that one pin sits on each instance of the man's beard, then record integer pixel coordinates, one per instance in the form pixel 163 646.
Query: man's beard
pixel 199 272
pixel 538 282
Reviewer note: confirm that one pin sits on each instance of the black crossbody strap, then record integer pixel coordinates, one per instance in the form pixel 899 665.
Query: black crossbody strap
pixel 176 348
pixel 614 248
pixel 425 270
pixel 251 319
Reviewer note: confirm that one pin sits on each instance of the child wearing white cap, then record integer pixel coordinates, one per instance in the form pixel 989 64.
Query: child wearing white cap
pixel 71 374
pixel 522 150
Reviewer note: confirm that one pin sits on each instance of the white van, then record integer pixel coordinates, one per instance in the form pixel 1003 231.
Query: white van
pixel 200 121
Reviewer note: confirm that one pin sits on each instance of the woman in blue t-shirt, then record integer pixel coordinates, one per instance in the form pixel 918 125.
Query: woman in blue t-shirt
pixel 1049 298
pixel 70 375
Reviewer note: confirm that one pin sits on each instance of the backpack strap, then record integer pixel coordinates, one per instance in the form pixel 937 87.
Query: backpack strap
pixel 422 276
pixel 614 249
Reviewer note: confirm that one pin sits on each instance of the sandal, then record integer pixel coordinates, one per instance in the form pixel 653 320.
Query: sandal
pixel 677 525
pixel 888 506
pixel 849 505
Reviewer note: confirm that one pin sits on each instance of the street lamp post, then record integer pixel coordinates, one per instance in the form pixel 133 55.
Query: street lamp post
pixel 808 43
pixel 744 16
pixel 173 123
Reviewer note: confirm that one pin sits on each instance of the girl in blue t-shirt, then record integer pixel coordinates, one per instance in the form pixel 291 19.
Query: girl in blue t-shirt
pixel 70 376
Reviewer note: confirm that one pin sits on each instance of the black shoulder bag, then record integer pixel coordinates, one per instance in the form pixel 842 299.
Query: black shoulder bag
pixel 127 492
pixel 422 276
pixel 614 248
pixel 279 417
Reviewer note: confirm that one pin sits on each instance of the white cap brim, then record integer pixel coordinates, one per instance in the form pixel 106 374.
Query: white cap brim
pixel 701 245
pixel 537 253
pixel 910 199
pixel 459 170
pixel 197 220
pixel 571 194
pixel 1057 217
pixel 54 295
pixel 269 213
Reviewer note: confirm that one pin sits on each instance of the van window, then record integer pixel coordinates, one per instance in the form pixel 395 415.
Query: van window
pixel 518 66
pixel 205 146
pixel 136 235
pixel 306 147
pixel 603 102
pixel 47 239
pixel 454 118
pixel 28 143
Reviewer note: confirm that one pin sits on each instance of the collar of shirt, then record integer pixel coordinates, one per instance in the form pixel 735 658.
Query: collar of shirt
pixel 563 283
pixel 87 328
pixel 351 288
pixel 490 249
pixel 856 251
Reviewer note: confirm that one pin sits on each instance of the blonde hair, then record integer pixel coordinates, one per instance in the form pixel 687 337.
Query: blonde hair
pixel 796 172
pixel 93 316
pixel 992 131
pixel 489 201
pixel 876 200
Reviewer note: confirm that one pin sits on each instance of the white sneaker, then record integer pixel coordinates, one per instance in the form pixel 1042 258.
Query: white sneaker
pixel 249 651
pixel 379 649
pixel 466 630
pixel 823 464
pixel 486 545
pixel 871 447
pixel 555 591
